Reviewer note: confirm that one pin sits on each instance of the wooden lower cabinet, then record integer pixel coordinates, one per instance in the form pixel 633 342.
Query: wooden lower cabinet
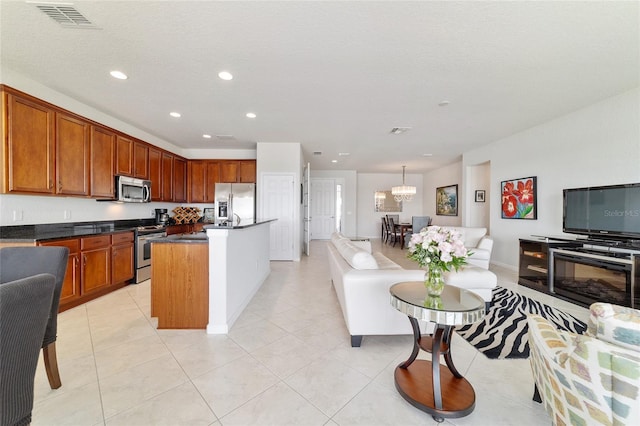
pixel 97 265
pixel 180 284
pixel 121 257
pixel 71 286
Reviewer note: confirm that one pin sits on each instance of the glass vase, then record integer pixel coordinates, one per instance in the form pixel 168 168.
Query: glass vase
pixel 434 280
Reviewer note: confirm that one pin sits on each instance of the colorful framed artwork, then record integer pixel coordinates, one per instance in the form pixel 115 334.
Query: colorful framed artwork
pixel 480 196
pixel 519 198
pixel 447 200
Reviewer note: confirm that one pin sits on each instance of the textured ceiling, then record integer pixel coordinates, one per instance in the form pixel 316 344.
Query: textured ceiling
pixel 333 76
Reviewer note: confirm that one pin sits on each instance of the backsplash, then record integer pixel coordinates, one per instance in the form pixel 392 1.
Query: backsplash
pixel 31 210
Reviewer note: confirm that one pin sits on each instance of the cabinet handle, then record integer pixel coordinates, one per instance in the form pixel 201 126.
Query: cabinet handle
pixel 50 184
pixel 59 186
pixel 84 260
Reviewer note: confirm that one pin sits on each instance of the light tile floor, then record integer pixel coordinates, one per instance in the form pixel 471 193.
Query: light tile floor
pixel 286 361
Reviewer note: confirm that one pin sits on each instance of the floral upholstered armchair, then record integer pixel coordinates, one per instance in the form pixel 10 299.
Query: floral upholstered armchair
pixel 593 378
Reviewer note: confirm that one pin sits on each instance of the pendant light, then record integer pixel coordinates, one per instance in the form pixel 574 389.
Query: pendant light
pixel 403 192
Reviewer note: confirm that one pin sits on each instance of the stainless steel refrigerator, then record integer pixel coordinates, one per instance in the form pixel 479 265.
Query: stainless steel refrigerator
pixel 235 203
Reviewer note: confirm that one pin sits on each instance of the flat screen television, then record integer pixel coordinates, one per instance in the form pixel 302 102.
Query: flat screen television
pixel 603 211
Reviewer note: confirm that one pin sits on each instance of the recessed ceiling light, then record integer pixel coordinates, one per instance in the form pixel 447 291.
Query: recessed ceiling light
pixel 119 75
pixel 225 75
pixel 427 155
pixel 334 161
pixel 343 154
pixel 175 114
pixel 443 103
pixel 206 136
pixel 251 115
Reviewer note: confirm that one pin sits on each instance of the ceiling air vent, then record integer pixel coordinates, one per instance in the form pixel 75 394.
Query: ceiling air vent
pixel 66 15
pixel 399 130
pixel 317 152
pixel 225 137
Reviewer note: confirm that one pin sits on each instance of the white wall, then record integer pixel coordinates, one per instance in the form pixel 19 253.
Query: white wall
pixel 369 221
pixel 597 145
pixel 30 210
pixel 474 213
pixel 444 176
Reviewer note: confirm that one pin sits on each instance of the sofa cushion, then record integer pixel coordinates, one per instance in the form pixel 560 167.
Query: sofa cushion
pixel 470 236
pixel 355 256
pixel 384 262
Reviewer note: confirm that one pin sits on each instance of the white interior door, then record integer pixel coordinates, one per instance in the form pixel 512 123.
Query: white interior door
pixel 306 202
pixel 278 202
pixel 323 208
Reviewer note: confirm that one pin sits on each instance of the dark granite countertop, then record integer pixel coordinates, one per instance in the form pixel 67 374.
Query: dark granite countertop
pixel 197 237
pixel 54 231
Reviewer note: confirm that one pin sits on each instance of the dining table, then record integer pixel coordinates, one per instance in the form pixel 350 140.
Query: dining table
pixel 403 228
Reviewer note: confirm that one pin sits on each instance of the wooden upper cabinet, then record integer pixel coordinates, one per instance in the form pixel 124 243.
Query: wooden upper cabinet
pixel 203 175
pixel 141 160
pixel 155 173
pixel 213 177
pixel 103 142
pixel 232 171
pixel 167 177
pixel 30 147
pixel 179 180
pixel 124 156
pixel 228 171
pixel 72 155
pixel 197 181
pixel 247 171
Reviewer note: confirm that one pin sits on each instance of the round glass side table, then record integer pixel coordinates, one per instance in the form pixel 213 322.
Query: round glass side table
pixel 436 389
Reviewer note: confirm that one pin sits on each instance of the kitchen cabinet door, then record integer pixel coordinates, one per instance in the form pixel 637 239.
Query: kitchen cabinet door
pixel 155 173
pixel 179 180
pixel 30 149
pixel 72 155
pixel 96 263
pixel 167 177
pixel 247 171
pixel 102 162
pixel 228 171
pixel 71 286
pixel 141 160
pixel 124 156
pixel 213 177
pixel 121 257
pixel 197 181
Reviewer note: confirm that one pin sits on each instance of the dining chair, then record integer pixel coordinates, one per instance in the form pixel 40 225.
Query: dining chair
pixel 24 308
pixel 385 230
pixel 393 231
pixel 417 223
pixel 22 262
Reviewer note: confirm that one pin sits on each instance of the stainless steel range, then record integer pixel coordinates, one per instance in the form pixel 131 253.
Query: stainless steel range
pixel 144 236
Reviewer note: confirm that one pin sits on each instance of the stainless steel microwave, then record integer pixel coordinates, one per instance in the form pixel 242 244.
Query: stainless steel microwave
pixel 132 190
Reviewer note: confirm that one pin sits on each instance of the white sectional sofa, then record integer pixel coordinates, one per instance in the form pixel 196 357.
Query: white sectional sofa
pixel 362 280
pixel 477 241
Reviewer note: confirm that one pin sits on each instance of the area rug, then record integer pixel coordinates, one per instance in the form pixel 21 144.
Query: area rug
pixel 502 333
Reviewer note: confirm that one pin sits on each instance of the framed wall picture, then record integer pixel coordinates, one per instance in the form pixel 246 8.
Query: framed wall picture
pixel 519 198
pixel 447 200
pixel 479 196
pixel 209 215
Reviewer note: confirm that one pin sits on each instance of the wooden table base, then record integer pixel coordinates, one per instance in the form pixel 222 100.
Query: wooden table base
pixel 415 385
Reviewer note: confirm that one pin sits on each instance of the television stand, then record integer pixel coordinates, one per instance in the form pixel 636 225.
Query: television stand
pixel 581 272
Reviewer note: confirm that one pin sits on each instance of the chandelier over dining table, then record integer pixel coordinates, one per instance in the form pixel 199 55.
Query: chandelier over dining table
pixel 403 192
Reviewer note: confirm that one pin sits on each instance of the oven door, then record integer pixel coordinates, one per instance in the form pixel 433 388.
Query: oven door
pixel 143 251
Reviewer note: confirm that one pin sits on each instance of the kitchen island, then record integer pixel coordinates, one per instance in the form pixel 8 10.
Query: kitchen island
pixel 206 279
